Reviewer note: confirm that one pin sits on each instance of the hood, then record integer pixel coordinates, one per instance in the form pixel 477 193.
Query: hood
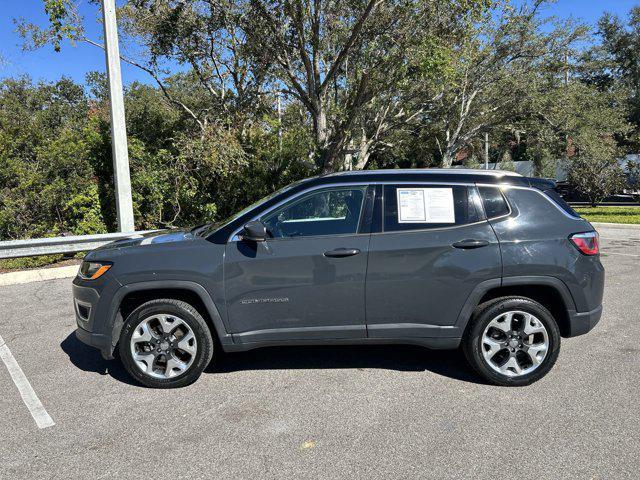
pixel 154 238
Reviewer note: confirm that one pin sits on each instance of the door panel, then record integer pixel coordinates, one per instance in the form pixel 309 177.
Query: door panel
pixel 307 281
pixel 417 280
pixel 288 289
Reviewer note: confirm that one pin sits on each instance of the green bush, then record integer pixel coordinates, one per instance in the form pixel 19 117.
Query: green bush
pixel 56 173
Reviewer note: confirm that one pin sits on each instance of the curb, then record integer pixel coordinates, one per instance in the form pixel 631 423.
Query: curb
pixel 623 226
pixel 39 275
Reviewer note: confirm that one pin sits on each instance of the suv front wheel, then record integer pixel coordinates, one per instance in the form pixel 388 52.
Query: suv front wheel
pixel 165 343
pixel 512 341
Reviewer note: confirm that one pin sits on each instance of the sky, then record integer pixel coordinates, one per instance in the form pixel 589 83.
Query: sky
pixel 76 61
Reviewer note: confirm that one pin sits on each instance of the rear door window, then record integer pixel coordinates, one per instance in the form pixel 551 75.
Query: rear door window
pixel 495 205
pixel 420 206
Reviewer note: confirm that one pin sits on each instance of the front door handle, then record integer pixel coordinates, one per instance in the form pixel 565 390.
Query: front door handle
pixel 470 243
pixel 342 252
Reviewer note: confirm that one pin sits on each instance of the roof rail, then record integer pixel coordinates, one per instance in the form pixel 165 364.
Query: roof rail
pixel 457 171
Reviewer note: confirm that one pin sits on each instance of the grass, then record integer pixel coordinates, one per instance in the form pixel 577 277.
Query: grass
pixel 610 214
pixel 26 263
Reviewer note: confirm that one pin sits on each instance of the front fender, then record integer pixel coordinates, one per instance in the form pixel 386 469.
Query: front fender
pixel 115 321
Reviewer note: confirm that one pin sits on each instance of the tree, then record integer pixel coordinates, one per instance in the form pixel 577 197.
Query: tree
pixel 592 127
pixel 46 178
pixel 335 58
pixel 595 172
pixel 246 96
pixel 614 65
pixel 488 81
pixel 349 63
pixel 209 38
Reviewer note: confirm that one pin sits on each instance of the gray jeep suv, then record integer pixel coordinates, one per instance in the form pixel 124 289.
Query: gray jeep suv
pixel 490 261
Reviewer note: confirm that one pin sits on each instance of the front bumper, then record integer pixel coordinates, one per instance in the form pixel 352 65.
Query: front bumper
pixel 583 322
pixel 91 304
pixel 97 340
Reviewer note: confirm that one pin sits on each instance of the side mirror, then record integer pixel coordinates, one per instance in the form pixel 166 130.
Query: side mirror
pixel 255 232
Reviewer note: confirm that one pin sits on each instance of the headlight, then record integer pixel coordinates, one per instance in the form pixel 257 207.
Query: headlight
pixel 93 270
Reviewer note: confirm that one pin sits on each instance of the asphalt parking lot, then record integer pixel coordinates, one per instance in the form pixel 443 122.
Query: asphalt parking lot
pixel 325 412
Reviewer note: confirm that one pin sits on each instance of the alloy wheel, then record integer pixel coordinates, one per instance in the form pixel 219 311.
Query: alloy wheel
pixel 515 343
pixel 163 346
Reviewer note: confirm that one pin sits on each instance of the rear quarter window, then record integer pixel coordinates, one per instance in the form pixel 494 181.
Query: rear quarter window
pixel 559 201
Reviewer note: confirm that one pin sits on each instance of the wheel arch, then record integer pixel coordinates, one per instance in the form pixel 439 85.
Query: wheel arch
pixel 550 292
pixel 131 296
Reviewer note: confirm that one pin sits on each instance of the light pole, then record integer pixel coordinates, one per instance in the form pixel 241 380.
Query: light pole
pixel 124 203
pixel 486 150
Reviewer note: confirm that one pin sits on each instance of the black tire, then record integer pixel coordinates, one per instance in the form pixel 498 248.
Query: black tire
pixel 483 315
pixel 190 316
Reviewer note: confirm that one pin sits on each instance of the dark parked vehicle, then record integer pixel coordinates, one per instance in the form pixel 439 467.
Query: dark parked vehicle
pixel 490 261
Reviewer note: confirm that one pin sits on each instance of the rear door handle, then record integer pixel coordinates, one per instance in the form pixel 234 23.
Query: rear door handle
pixel 470 243
pixel 342 252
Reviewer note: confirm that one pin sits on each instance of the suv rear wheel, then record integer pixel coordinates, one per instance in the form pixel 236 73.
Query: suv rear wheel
pixel 165 343
pixel 512 341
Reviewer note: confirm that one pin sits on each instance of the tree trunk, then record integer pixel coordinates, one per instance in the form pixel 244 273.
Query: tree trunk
pixel 321 132
pixel 320 127
pixel 447 158
pixel 329 156
pixel 449 153
pixel 364 152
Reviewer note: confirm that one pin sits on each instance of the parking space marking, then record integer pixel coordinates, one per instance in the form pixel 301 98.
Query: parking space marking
pixel 618 253
pixel 29 397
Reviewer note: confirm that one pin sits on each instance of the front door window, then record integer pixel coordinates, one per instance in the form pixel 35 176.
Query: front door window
pixel 326 212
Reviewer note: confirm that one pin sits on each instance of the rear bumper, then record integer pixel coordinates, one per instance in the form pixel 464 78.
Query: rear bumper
pixel 583 322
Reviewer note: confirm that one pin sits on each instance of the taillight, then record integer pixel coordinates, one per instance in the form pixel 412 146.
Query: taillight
pixel 586 242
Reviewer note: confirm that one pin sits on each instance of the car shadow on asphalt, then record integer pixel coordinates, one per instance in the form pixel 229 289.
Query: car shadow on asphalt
pixel 403 358
pixel 89 359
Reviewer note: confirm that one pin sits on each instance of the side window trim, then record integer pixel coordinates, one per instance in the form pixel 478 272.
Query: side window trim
pixel 235 236
pixel 368 210
pixel 377 220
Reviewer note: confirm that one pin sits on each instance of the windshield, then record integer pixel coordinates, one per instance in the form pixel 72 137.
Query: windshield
pixel 210 227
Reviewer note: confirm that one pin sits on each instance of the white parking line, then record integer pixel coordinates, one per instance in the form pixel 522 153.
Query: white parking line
pixel 29 397
pixel 625 254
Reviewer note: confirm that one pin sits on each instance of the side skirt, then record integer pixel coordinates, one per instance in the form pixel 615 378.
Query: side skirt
pixel 444 343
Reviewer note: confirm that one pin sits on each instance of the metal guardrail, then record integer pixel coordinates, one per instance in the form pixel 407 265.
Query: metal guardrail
pixel 56 245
